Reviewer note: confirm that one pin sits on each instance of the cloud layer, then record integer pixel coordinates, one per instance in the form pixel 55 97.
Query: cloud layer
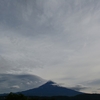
pixel 17 83
pixel 54 39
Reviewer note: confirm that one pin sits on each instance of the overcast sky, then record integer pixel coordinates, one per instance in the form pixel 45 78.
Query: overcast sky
pixel 57 40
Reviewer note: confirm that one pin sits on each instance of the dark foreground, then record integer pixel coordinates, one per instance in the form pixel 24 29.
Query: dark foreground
pixel 13 96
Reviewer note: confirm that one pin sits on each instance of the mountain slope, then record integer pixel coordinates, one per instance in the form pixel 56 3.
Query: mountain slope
pixel 50 89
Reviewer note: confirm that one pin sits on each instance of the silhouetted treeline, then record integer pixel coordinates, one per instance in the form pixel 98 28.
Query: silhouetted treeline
pixel 13 96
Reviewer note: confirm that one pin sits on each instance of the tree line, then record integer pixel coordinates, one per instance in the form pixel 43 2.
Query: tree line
pixel 15 96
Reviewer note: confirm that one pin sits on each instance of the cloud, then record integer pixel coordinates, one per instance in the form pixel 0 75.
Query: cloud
pixel 79 87
pixel 16 83
pixel 51 36
pixel 15 87
pixel 95 82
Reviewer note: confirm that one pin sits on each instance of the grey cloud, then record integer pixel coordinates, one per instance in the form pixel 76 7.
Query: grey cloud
pixel 79 87
pixel 94 82
pixel 57 28
pixel 15 83
pixel 15 87
pixel 4 65
pixel 51 36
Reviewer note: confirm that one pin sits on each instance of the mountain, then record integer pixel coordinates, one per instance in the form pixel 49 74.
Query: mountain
pixel 16 83
pixel 50 89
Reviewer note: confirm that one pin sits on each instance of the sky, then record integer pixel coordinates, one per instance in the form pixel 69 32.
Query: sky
pixel 56 40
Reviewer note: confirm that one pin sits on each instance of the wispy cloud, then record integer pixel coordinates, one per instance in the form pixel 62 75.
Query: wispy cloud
pixel 79 87
pixel 51 36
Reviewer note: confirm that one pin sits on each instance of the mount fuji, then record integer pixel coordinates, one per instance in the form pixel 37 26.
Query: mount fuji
pixel 50 89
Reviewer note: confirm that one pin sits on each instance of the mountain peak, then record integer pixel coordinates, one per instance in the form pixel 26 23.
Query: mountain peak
pixel 50 82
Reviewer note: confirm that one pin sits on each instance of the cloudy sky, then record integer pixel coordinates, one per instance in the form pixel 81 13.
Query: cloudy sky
pixel 57 40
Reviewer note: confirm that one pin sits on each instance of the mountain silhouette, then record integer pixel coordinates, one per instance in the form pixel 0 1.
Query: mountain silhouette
pixel 50 89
